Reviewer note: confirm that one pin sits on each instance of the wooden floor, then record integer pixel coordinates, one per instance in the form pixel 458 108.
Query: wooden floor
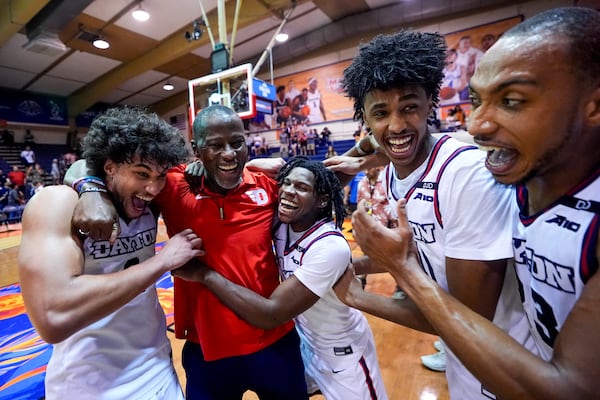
pixel 399 349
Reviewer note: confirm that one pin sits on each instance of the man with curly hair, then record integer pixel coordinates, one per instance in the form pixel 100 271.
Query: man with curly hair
pixel 96 301
pixel 453 202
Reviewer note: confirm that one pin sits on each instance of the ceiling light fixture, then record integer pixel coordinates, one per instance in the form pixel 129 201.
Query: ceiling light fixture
pixel 140 14
pixel 168 86
pixel 282 37
pixel 101 43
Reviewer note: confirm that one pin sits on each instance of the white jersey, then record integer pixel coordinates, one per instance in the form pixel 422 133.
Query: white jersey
pixel 337 343
pixel 457 210
pixel 314 103
pixel 125 355
pixel 555 255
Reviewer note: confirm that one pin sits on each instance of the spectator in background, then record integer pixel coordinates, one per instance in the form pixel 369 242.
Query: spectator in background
pixel 4 192
pixel 28 156
pixel 17 177
pixel 372 189
pixel 325 136
pixel 55 172
pixel 3 177
pixel 29 139
pixel 330 152
pixel 351 192
pixel 8 139
pixel 284 142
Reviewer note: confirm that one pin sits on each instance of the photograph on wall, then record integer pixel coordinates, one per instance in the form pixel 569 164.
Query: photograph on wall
pixel 313 96
pixel 465 49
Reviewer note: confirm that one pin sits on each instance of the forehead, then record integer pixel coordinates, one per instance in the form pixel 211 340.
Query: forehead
pixel 301 174
pixel 407 92
pixel 149 165
pixel 533 58
pixel 225 127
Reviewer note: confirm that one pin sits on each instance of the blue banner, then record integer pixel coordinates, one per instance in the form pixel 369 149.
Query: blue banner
pixel 263 89
pixel 33 108
pixel 84 120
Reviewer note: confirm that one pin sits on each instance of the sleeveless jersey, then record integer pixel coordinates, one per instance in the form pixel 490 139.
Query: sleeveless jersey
pixel 318 257
pixel 337 344
pixel 457 210
pixel 125 355
pixel 314 101
pixel 555 255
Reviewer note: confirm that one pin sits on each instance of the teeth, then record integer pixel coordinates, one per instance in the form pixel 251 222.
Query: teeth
pixel 287 203
pixel 228 167
pixel 488 148
pixel 145 198
pixel 399 141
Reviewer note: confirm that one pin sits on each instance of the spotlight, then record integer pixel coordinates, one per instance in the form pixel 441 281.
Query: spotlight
pixel 196 33
pixel 282 37
pixel 140 14
pixel 101 43
pixel 168 86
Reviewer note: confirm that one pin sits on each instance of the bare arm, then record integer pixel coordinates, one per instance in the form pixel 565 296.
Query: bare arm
pixel 288 300
pixel 502 364
pixel 404 312
pixel 59 297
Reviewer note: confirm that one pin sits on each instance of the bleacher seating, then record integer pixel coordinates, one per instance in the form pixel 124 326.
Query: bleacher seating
pixel 44 154
pixel 340 146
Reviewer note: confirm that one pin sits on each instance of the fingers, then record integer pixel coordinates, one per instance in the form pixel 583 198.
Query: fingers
pixel 116 229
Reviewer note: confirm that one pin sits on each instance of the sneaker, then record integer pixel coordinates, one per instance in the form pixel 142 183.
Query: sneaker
pixel 398 294
pixel 435 362
pixel 438 345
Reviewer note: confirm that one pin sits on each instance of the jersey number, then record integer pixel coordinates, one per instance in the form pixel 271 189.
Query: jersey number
pixel 545 322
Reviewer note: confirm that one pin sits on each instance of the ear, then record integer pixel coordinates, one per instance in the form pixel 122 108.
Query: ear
pixel 323 201
pixel 110 168
pixel 592 108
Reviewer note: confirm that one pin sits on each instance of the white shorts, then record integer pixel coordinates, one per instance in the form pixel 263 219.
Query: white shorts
pixel 354 376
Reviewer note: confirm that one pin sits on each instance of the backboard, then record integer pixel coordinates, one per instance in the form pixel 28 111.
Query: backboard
pixel 231 87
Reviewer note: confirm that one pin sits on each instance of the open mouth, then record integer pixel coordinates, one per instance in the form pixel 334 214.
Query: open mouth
pixel 499 159
pixel 400 145
pixel 141 202
pixel 287 205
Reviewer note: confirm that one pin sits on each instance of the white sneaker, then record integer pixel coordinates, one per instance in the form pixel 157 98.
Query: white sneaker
pixel 438 345
pixel 435 362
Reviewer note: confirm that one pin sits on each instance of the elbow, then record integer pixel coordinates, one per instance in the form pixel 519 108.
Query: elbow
pixel 52 329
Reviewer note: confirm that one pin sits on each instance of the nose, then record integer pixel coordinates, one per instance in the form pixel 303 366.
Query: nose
pixel 155 186
pixel 397 123
pixel 228 151
pixel 481 122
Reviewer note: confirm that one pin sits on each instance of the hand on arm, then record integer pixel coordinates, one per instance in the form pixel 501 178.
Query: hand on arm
pixel 95 212
pixel 60 298
pixel 288 300
pixel 504 366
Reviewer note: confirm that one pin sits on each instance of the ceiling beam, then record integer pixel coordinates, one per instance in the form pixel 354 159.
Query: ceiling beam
pixel 169 49
pixel 14 14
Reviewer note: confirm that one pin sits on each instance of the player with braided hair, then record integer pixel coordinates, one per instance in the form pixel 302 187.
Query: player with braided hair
pixel 337 344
